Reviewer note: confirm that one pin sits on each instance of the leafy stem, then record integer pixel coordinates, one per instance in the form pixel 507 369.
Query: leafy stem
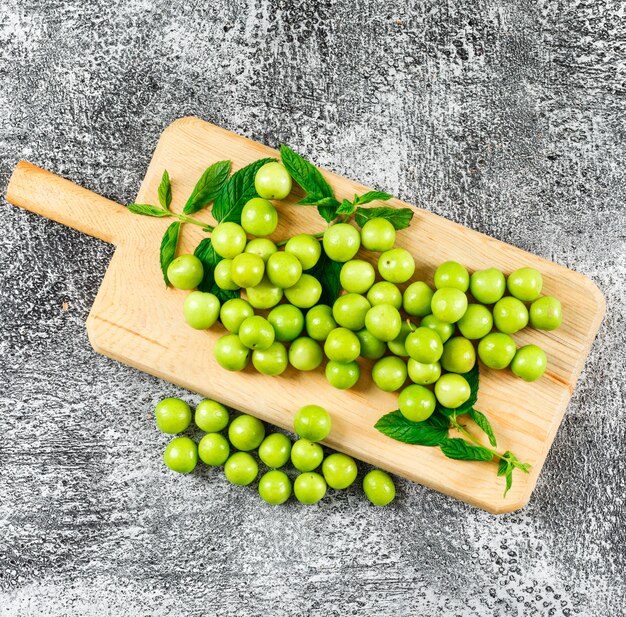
pixel 435 432
pixel 459 427
pixel 183 218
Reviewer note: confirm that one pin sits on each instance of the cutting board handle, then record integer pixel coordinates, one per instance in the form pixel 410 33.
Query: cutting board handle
pixel 56 198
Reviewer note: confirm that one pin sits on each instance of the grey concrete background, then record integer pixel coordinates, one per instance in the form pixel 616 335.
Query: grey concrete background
pixel 507 116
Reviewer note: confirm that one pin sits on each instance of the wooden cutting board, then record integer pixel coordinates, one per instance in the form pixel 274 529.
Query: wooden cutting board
pixel 137 321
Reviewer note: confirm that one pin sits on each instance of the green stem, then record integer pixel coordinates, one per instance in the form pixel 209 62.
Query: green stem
pixel 466 433
pixel 183 218
pixel 463 431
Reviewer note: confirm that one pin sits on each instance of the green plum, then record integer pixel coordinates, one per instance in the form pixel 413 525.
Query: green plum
pixel 275 487
pixel 234 312
pixel 181 455
pixel 384 322
pixel 350 309
pixel 312 422
pixel 306 248
pixel 546 313
pixel 185 272
pixel 357 276
pixel 241 469
pixel 173 415
pixel 396 265
pixel 270 361
pixel 389 373
pixel 529 363
pixel 228 240
pixel 305 293
pixel 272 181
pixel 378 234
pixel 231 353
pixel 287 321
pixel 341 242
pixel 385 292
pixel 320 322
pixel 201 309
pixel 417 298
pixel 211 416
pixel 525 284
pixel 452 274
pixel 379 488
pixel 259 217
pixel 305 354
pixel 342 375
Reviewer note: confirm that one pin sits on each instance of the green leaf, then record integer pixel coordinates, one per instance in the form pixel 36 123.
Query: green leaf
pixel 400 218
pixel 148 210
pixel 509 481
pixel 396 426
pixel 165 191
pixel 328 213
pixel 461 450
pixel 311 180
pixel 208 187
pixel 168 248
pixel 346 207
pixel 236 191
pixel 373 196
pixel 311 199
pixel 327 271
pixel 439 420
pixel 472 378
pixel 318 200
pixel 304 173
pixel 209 258
pixel 482 421
pixel 504 465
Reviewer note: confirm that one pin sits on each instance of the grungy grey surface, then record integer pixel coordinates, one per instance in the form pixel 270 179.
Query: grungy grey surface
pixel 506 116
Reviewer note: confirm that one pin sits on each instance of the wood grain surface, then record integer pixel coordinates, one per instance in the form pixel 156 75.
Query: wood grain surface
pixel 135 320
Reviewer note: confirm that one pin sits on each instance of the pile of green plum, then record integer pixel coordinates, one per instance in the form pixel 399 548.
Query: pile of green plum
pixel 233 444
pixel 280 322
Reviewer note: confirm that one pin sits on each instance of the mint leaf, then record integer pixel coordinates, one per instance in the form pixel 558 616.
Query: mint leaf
pixel 236 191
pixel 346 207
pixel 482 421
pixel 311 199
pixel 168 248
pixel 208 187
pixel 327 271
pixel 396 426
pixel 461 450
pixel 209 258
pixel 148 210
pixel 504 465
pixel 373 196
pixel 312 182
pixel 318 200
pixel 439 420
pixel 165 191
pixel 328 213
pixel 400 218
pixel 304 173
pixel 472 378
pixel 509 481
